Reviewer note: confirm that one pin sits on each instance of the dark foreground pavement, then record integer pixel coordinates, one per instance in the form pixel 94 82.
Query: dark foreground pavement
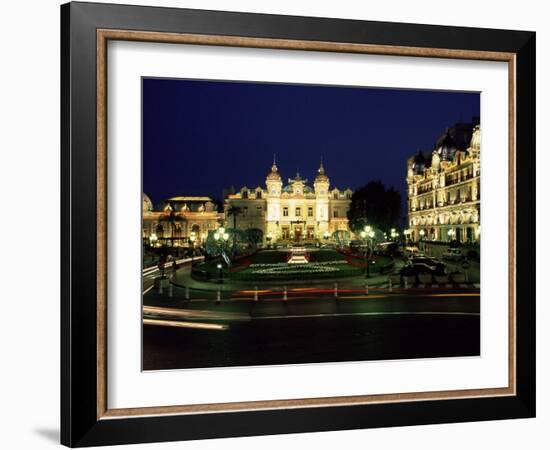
pixel 314 330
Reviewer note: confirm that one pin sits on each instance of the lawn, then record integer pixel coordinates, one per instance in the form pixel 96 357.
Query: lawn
pixel 271 265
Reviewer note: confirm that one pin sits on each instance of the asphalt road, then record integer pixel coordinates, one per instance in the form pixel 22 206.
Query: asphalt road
pixel 313 329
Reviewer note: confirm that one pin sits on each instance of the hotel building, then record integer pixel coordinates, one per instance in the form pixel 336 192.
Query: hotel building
pixel 444 187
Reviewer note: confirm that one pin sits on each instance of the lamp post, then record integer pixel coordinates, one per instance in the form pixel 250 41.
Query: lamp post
pixel 153 240
pixel 422 233
pixel 363 235
pixel 192 239
pixel 221 237
pixel 220 269
pixel 367 234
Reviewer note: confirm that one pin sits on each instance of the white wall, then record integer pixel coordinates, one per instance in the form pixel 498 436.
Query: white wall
pixel 29 173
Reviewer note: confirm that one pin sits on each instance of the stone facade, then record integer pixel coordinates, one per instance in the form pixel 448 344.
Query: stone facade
pixel 296 212
pixel 179 219
pixel 444 188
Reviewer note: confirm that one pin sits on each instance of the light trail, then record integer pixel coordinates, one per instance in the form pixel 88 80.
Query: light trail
pixel 148 289
pixel 389 313
pixel 189 313
pixel 179 324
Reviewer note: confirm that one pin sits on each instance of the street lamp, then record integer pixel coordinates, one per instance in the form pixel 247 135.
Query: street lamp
pixel 153 240
pixel 367 234
pixel 221 237
pixel 220 269
pixel 422 233
pixel 364 235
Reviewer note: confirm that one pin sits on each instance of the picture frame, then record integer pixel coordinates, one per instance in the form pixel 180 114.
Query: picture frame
pixel 86 418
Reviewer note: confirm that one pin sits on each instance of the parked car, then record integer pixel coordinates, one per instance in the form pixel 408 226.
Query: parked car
pixel 431 262
pixel 453 254
pixel 411 250
pixel 418 268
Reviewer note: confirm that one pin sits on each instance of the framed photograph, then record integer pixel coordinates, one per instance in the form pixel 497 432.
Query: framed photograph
pixel 276 224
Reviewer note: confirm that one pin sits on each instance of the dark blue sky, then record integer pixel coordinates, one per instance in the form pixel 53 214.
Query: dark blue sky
pixel 201 136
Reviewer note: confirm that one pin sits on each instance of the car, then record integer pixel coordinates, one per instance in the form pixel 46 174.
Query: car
pixel 411 250
pixel 418 268
pixel 430 262
pixel 453 254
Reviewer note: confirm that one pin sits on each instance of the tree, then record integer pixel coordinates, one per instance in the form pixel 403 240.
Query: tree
pixel 172 218
pixel 237 242
pixel 233 211
pixel 374 205
pixel 255 236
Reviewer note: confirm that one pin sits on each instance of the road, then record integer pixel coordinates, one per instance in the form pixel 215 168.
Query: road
pixel 315 327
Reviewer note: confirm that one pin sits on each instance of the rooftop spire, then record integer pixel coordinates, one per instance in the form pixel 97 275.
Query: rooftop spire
pixel 274 166
pixel 321 168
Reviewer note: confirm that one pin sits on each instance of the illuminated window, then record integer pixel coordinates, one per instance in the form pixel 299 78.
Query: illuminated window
pixel 310 212
pixel 298 212
pixel 285 211
pixel 335 213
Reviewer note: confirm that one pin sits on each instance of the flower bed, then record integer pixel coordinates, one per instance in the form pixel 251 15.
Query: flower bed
pixel 282 271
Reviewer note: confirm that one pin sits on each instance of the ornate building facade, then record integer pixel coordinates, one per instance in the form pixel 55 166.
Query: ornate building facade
pixel 444 187
pixel 296 212
pixel 179 221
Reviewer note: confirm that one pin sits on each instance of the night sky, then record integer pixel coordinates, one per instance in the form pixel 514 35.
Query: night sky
pixel 202 136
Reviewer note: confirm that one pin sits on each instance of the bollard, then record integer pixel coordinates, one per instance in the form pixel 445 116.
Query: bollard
pixel 186 293
pixel 366 289
pixel 218 297
pixel 336 290
pixel 170 290
pixel 390 288
pixel 256 293
pixel 284 294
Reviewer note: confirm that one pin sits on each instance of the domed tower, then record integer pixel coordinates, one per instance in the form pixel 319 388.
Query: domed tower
pixel 419 163
pixel 446 148
pixel 274 184
pixel 147 204
pixel 273 181
pixel 321 185
pixel 321 182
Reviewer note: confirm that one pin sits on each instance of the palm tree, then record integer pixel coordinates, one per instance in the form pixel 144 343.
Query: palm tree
pixel 172 218
pixel 233 211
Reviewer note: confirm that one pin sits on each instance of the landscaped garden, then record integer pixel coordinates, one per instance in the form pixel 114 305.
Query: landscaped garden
pixel 272 265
